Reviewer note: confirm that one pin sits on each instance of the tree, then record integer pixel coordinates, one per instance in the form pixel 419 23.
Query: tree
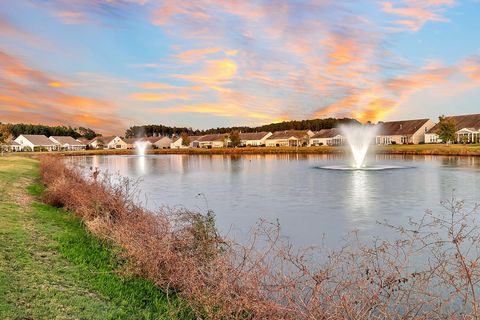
pixel 5 136
pixel 185 139
pixel 235 138
pixel 446 129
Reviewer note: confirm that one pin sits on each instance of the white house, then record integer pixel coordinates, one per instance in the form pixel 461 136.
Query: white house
pixel 14 147
pixel 254 139
pixel 327 137
pixel 403 132
pixel 162 142
pixel 112 142
pixel 213 140
pixel 68 143
pixel 468 129
pixel 291 138
pixel 177 143
pixel 31 142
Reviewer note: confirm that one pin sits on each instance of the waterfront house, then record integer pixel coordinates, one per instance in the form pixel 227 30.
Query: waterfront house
pixel 403 132
pixel 68 143
pixel 111 142
pixel 209 141
pixel 327 137
pixel 162 142
pixel 33 142
pixel 253 139
pixel 194 143
pixel 468 129
pixel 177 143
pixel 291 138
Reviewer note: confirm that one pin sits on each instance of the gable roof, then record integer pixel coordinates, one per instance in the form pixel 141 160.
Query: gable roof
pixel 38 140
pixel 253 135
pixel 67 140
pixel 213 137
pixel 299 134
pixel 398 128
pixel 326 133
pixel 148 139
pixel 464 121
pixel 105 140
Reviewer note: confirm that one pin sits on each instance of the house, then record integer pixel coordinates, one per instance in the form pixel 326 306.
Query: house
pixel 194 143
pixel 213 141
pixel 31 142
pixel 327 137
pixel 149 140
pixel 177 143
pixel 291 138
pixel 253 139
pixel 162 142
pixel 111 142
pixel 403 132
pixel 14 147
pixel 68 143
pixel 468 129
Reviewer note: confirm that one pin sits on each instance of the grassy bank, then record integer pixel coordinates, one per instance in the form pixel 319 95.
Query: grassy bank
pixel 425 149
pixel 51 268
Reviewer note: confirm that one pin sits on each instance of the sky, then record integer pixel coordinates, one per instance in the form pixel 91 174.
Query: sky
pixel 111 64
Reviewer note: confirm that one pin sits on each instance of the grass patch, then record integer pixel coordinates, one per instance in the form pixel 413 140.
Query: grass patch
pixel 51 268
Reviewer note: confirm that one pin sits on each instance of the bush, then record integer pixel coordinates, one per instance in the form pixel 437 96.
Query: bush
pixel 431 271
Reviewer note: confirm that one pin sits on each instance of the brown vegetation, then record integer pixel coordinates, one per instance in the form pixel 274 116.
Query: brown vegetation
pixel 431 272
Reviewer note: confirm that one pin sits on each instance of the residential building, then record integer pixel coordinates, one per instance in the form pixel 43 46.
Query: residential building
pixel 253 139
pixel 194 143
pixel 31 142
pixel 177 143
pixel 111 142
pixel 162 142
pixel 468 129
pixel 209 141
pixel 327 137
pixel 68 143
pixel 403 132
pixel 291 138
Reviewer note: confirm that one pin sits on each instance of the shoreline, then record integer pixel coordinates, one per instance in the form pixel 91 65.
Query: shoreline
pixel 424 149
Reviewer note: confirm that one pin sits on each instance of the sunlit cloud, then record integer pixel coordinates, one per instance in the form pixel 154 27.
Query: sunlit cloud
pixel 413 14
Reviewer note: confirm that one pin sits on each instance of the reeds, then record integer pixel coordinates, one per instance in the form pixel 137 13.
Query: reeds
pixel 431 270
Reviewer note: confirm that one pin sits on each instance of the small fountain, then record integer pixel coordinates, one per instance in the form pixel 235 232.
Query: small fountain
pixel 359 139
pixel 141 147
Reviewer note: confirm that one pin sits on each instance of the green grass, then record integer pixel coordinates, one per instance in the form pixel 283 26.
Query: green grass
pixel 51 268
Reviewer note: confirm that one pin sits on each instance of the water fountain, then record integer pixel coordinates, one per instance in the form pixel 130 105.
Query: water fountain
pixel 359 139
pixel 141 147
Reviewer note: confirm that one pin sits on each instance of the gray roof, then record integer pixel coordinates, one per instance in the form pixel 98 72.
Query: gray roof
pixel 253 135
pixel 465 121
pixel 38 140
pixel 398 128
pixel 326 133
pixel 213 137
pixel 299 134
pixel 67 140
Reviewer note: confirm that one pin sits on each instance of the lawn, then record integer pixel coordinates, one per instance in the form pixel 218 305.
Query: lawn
pixel 51 268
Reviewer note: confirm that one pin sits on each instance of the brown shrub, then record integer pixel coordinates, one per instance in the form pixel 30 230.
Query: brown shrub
pixel 430 272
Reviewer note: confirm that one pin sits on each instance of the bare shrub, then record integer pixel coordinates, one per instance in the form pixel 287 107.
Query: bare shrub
pixel 431 270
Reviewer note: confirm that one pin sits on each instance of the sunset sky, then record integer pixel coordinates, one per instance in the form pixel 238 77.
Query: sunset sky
pixel 207 63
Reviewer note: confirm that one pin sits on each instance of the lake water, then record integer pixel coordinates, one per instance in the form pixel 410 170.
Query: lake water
pixel 310 203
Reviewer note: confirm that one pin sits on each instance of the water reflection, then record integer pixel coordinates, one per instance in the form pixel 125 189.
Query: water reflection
pixel 308 202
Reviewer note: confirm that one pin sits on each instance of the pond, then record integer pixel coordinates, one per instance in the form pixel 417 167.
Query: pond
pixel 312 205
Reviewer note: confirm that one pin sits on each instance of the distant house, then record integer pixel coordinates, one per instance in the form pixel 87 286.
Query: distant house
pixel 468 129
pixel 30 142
pixel 111 142
pixel 14 147
pixel 194 143
pixel 254 139
pixel 177 143
pixel 68 143
pixel 327 137
pixel 213 141
pixel 291 138
pixel 403 132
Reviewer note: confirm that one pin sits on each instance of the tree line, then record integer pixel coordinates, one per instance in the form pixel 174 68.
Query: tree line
pixel 314 125
pixel 23 128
